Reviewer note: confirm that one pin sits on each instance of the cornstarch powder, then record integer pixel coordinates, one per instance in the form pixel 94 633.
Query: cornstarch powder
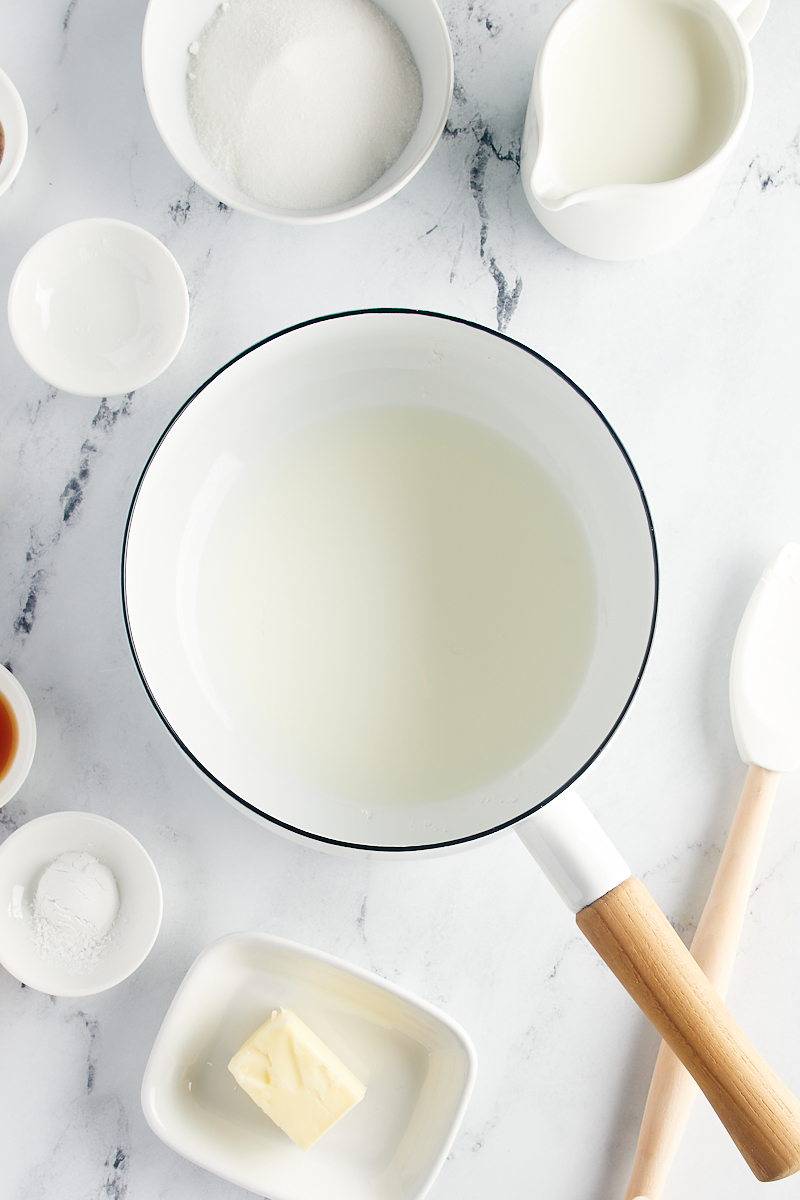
pixel 302 103
pixel 75 911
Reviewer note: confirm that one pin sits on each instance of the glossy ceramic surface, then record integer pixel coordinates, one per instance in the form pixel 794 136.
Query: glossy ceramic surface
pixel 23 858
pixel 417 1064
pixel 98 307
pixel 15 132
pixel 691 356
pixel 334 365
pixel 17 699
pixel 171 26
pixel 622 221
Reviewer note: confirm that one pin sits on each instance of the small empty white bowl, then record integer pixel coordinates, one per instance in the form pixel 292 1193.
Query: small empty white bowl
pixel 15 132
pixel 14 772
pixel 417 1064
pixel 27 853
pixel 98 307
pixel 170 27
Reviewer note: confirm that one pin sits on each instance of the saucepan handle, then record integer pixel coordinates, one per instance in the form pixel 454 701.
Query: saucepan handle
pixel 635 939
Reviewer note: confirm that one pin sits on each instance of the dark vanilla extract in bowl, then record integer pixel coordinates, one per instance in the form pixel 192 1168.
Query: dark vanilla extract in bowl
pixel 9 735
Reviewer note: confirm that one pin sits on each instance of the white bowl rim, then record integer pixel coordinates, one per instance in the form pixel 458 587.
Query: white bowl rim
pixel 67 383
pixel 9 170
pixel 134 848
pixel 550 49
pixel 342 844
pixel 18 698
pixel 154 1073
pixel 312 216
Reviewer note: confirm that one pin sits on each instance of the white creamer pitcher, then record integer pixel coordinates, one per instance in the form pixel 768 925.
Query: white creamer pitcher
pixel 635 110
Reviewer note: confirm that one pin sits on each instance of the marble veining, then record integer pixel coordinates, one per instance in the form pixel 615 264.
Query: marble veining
pixel 45 536
pixel 691 355
pixel 482 152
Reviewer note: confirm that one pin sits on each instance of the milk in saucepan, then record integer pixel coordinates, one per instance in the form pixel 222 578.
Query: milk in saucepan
pixel 399 604
pixel 638 91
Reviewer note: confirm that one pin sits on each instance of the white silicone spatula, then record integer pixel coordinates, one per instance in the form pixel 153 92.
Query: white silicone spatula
pixel 765 710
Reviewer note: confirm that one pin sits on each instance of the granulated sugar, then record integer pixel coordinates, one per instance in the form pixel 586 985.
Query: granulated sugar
pixel 302 103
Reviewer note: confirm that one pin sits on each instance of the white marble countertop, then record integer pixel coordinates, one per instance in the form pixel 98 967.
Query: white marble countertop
pixel 692 355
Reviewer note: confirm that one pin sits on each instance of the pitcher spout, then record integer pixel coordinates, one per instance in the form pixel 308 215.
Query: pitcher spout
pixel 548 190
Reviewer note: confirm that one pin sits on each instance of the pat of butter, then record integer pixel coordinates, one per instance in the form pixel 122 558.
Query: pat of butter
pixel 295 1078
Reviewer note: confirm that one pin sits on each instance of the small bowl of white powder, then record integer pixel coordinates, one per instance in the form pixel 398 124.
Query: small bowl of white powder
pixel 80 904
pixel 298 110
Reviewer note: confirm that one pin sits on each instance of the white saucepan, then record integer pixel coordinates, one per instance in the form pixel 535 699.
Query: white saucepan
pixel 190 615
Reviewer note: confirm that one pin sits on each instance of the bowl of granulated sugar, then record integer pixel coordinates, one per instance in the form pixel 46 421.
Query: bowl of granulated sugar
pixel 301 111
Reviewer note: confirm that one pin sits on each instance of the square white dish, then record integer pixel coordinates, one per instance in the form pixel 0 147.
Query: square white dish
pixel 418 1066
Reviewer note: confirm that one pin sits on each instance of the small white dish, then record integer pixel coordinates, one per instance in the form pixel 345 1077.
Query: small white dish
pixel 170 26
pixel 15 699
pixel 23 858
pixel 98 307
pixel 418 1066
pixel 15 132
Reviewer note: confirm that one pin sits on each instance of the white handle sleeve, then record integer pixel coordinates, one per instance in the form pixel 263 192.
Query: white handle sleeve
pixel 576 856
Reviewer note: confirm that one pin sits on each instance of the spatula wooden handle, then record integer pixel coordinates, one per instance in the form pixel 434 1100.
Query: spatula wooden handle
pixel 634 938
pixel 672 1089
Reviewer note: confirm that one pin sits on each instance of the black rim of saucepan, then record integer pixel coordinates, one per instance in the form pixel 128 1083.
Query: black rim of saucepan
pixel 472 837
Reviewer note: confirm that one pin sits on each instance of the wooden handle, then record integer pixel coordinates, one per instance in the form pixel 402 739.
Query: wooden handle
pixel 672 1089
pixel 635 939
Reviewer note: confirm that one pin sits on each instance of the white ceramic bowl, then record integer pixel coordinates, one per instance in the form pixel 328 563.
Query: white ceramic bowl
pixel 15 131
pixel 418 1066
pixel 172 25
pixel 305 375
pixel 98 307
pixel 28 852
pixel 21 710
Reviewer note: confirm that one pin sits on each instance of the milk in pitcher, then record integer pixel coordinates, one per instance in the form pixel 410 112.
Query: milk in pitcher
pixel 639 91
